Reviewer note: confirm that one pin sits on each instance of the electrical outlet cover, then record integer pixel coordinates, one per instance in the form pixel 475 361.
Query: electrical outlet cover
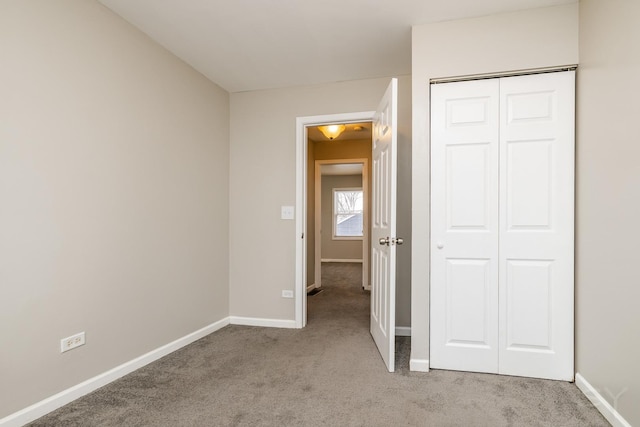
pixel 72 342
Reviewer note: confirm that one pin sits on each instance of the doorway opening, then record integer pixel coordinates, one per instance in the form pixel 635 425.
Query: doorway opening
pixel 337 207
pixel 344 158
pixel 338 215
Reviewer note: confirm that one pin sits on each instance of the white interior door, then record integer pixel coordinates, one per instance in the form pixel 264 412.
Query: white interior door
pixel 537 225
pixel 383 226
pixel 502 221
pixel 464 226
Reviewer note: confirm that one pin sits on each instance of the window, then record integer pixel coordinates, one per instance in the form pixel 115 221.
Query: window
pixel 347 213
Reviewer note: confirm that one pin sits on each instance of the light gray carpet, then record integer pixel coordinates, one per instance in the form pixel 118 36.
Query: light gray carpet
pixel 328 374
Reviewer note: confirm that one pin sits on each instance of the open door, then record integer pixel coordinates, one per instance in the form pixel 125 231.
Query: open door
pixel 383 226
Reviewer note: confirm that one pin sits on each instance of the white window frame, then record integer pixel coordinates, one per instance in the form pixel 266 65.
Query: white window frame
pixel 334 214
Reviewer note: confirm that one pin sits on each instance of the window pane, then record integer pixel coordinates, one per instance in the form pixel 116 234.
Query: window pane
pixel 348 201
pixel 349 225
pixel 347 211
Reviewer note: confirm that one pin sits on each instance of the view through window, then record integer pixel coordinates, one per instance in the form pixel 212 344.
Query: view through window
pixel 347 213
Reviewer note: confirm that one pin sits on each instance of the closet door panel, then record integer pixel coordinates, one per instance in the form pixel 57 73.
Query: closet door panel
pixel 536 225
pixel 464 226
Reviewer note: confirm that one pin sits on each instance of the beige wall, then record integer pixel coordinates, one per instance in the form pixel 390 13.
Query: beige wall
pixel 608 202
pixel 263 125
pixel 514 41
pixel 114 196
pixel 337 249
pixel 353 149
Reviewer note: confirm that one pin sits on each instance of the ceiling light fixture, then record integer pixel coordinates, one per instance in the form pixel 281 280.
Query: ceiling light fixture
pixel 332 131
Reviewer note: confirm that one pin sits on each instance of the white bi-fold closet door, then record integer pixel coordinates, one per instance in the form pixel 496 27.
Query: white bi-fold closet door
pixel 502 225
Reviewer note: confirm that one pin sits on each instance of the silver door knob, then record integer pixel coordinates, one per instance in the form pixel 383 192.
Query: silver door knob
pixel 440 245
pixel 399 241
pixel 384 241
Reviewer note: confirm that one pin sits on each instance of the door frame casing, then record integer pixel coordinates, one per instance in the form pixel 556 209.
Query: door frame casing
pixel 302 123
pixel 365 217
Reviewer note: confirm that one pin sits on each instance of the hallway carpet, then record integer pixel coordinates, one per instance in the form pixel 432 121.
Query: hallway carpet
pixel 327 374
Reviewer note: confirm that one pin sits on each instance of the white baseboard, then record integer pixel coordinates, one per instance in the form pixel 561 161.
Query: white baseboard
pixel 601 404
pixel 340 260
pixel 311 287
pixel 419 365
pixel 266 323
pixel 58 400
pixel 403 331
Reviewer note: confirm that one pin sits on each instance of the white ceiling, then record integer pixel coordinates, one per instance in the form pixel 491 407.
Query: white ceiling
pixel 258 44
